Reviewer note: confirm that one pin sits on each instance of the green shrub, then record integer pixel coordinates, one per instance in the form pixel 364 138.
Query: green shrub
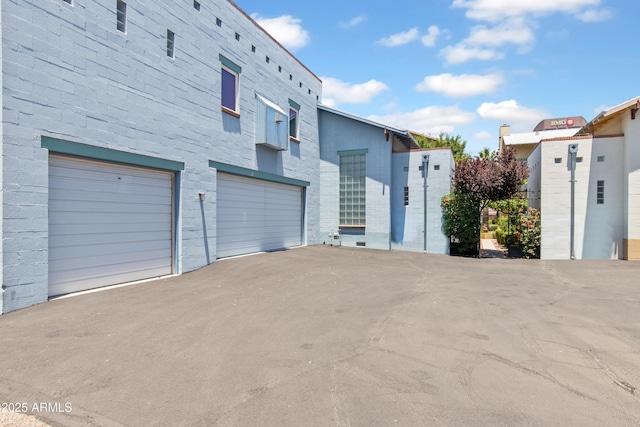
pixel 461 216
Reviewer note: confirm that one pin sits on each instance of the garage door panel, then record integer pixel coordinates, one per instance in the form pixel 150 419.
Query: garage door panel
pixel 105 280
pixel 254 215
pixel 107 224
pixel 127 262
pixel 127 241
pixel 115 218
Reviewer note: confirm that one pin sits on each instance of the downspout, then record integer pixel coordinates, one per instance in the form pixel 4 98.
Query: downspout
pixel 425 169
pixel 573 151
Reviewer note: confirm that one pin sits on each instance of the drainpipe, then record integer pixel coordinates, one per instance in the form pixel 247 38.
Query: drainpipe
pixel 573 151
pixel 425 169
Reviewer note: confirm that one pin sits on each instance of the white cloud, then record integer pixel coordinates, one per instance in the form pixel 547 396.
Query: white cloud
pixel 483 136
pixel 498 10
pixel 461 53
pixel 431 37
pixel 429 120
pixel 510 111
pixel 338 92
pixel 353 22
pixel 286 29
pixel 482 41
pixel 513 31
pixel 462 85
pixel 400 39
pixel 595 15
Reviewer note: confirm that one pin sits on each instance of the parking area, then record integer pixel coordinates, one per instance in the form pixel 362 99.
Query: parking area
pixel 322 336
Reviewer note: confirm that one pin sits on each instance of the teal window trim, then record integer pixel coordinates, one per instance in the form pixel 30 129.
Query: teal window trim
pixel 353 152
pixel 61 146
pixel 294 105
pixel 230 64
pixel 250 173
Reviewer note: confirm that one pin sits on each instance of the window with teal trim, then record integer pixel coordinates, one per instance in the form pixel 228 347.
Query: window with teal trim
pixel 353 193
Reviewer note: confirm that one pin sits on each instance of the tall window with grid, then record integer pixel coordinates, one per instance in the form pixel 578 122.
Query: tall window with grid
pixel 353 190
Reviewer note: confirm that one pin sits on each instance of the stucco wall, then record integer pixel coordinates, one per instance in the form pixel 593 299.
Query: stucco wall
pixel 407 222
pixel 339 133
pixel 598 227
pixel 69 74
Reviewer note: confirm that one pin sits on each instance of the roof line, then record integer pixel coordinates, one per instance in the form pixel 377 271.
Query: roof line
pixel 272 38
pixel 328 109
pixel 588 128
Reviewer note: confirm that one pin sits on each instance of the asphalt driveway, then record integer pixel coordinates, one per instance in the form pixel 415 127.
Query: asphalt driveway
pixel 323 336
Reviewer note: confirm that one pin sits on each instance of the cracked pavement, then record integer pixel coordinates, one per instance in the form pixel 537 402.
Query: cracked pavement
pixel 323 336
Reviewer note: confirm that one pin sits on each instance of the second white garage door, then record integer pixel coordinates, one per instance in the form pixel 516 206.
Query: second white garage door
pixel 255 215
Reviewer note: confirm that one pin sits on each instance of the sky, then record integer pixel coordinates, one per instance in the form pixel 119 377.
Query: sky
pixel 464 67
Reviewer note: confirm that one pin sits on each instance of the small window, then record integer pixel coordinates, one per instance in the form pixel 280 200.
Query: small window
pixel 406 168
pixel 121 16
pixel 237 36
pixel 290 76
pixel 219 22
pixel 436 167
pixel 68 1
pixel 406 196
pixel 294 120
pixel 267 59
pixel 253 49
pixel 171 44
pixel 309 91
pixel 600 159
pixel 279 68
pixel 196 5
pixel 600 193
pixel 558 159
pixel 578 159
pixel 300 84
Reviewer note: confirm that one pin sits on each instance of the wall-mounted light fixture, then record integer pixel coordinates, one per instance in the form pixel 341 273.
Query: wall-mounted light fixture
pixel 201 196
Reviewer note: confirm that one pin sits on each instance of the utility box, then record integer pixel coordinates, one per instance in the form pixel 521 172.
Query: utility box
pixel 272 125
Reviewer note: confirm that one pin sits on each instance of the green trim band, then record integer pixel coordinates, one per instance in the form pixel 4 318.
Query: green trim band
pixel 294 104
pixel 60 146
pixel 230 64
pixel 353 152
pixel 250 173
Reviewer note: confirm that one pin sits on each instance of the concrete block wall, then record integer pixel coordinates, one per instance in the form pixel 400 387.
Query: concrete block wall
pixel 407 222
pixel 68 73
pixel 339 133
pixel 598 227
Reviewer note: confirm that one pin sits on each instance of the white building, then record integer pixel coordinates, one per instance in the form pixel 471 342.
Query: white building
pixel 606 203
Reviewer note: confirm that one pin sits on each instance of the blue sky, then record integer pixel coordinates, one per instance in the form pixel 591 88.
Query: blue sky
pixel 463 66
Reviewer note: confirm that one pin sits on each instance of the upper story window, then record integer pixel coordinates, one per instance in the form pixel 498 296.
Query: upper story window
pixel 121 16
pixel 171 38
pixel 294 120
pixel 230 92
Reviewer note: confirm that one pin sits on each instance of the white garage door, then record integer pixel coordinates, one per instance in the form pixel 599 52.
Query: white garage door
pixel 255 215
pixel 108 224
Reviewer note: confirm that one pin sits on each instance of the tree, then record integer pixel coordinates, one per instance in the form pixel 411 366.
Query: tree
pixel 486 153
pixel 478 181
pixel 456 143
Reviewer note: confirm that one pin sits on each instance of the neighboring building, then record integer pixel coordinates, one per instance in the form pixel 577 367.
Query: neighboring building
pixel 607 188
pixel 372 185
pixel 141 139
pixel 525 143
